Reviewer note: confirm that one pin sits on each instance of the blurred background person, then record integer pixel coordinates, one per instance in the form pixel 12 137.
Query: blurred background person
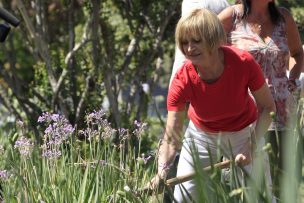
pixel 270 34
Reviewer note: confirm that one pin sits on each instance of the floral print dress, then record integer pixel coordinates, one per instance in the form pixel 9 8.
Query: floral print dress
pixel 273 57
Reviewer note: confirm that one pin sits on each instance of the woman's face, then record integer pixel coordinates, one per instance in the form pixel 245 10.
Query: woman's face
pixel 195 50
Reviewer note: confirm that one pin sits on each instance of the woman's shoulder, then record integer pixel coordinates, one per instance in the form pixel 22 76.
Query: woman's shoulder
pixel 239 60
pixel 186 74
pixel 286 14
pixel 186 69
pixel 231 11
pixel 236 53
pixel 188 65
pixel 288 19
pixel 230 16
pixel 283 10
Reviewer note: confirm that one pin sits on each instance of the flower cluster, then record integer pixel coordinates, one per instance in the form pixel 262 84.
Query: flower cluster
pixel 97 126
pixel 24 146
pixel 108 132
pixel 143 159
pixel 140 128
pixel 47 117
pixel 123 134
pixel 58 130
pixel 20 124
pixel 2 149
pixel 4 175
pixel 89 133
pixel 96 117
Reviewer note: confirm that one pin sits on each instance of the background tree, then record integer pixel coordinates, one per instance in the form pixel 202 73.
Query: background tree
pixel 71 56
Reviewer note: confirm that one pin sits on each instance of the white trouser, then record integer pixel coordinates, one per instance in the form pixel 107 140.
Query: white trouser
pixel 211 146
pixel 187 6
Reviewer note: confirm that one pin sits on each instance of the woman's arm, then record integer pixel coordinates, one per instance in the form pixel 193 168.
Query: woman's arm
pixel 226 17
pixel 294 45
pixel 266 105
pixel 171 142
pixel 169 145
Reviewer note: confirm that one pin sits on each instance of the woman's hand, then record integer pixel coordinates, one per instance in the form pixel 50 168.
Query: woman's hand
pixel 242 160
pixel 246 157
pixel 293 84
pixel 156 185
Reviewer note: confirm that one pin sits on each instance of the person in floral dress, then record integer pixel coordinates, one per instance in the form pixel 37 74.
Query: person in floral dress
pixel 270 34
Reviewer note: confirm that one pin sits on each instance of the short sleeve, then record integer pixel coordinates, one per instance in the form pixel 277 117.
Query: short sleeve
pixel 179 91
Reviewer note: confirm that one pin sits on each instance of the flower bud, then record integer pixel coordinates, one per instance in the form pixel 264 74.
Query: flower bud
pixel 272 115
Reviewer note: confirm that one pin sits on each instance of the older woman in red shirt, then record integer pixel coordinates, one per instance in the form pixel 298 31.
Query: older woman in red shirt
pixel 214 82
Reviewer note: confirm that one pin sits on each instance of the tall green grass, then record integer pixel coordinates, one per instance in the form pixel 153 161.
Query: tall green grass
pixel 67 169
pixel 109 165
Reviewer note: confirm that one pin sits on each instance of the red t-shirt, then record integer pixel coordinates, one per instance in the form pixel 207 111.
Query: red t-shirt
pixel 224 105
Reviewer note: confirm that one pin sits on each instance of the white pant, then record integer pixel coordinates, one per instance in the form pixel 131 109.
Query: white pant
pixel 187 6
pixel 210 146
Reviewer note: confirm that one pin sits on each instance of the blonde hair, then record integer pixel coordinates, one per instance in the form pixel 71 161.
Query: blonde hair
pixel 200 24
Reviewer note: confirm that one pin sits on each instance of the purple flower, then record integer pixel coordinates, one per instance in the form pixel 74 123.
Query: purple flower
pixel 24 145
pixel 58 131
pixel 55 117
pixel 143 160
pixel 97 126
pixel 4 175
pixel 89 133
pixel 146 159
pixel 108 132
pixel 45 117
pixel 96 116
pixel 20 124
pixel 51 154
pixel 102 162
pixel 140 128
pixel 123 134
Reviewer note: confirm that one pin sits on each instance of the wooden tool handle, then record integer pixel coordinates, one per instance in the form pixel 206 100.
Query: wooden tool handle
pixel 190 176
pixel 184 178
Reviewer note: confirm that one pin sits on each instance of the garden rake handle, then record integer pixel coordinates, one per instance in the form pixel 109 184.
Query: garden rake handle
pixel 180 179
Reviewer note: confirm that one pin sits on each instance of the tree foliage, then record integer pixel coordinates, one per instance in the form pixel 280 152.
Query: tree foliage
pixel 71 56
pixel 296 7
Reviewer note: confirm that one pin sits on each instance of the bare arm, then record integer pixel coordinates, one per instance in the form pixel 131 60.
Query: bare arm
pixel 226 17
pixel 294 44
pixel 266 105
pixel 171 141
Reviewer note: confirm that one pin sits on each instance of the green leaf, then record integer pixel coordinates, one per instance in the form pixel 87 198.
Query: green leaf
pixel 83 186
